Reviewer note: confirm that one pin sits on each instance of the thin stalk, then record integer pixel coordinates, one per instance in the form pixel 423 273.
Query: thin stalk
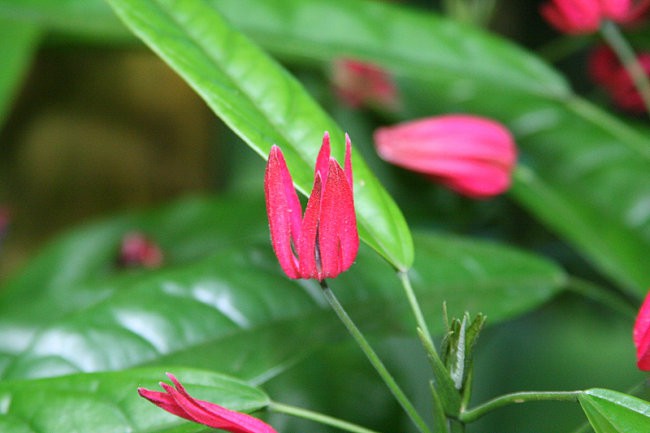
pixel 415 305
pixel 374 359
pixel 615 39
pixel 318 417
pixel 515 398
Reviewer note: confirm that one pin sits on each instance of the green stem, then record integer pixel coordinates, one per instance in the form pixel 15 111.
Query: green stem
pixel 415 306
pixel 317 417
pixel 374 359
pixel 514 398
pixel 612 34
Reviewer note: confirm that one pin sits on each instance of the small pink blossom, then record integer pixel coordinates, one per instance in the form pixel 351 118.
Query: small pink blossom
pixel 641 335
pixel 363 84
pixel 471 155
pixel 606 70
pixel 584 16
pixel 137 250
pixel 177 401
pixel 324 242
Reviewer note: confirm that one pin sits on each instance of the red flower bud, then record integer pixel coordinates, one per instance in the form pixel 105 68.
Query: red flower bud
pixel 324 242
pixel 584 16
pixel 139 251
pixel 177 401
pixel 363 84
pixel 641 335
pixel 471 155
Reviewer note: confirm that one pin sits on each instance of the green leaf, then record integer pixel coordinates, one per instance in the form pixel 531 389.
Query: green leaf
pixel 615 412
pixel 263 104
pixel 87 19
pixel 109 402
pixel 233 309
pixel 579 157
pixel 17 45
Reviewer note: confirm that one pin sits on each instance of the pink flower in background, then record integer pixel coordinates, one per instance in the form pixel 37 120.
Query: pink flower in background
pixel 624 92
pixel 584 16
pixel 137 250
pixel 363 84
pixel 177 401
pixel 324 242
pixel 471 155
pixel 606 70
pixel 641 335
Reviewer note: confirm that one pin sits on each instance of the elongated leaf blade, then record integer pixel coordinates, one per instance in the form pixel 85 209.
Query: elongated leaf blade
pixel 614 412
pixel 110 402
pixel 263 104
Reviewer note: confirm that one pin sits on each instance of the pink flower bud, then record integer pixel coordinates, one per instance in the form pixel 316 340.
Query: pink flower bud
pixel 471 155
pixel 324 242
pixel 624 92
pixel 177 401
pixel 584 16
pixel 641 335
pixel 139 251
pixel 363 84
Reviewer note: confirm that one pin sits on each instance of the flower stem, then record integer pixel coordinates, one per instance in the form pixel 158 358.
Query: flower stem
pixel 415 306
pixel 317 417
pixel 612 34
pixel 374 359
pixel 517 397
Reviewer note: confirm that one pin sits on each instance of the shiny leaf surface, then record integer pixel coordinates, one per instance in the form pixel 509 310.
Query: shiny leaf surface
pixel 263 104
pixel 615 412
pixel 109 402
pixel 232 308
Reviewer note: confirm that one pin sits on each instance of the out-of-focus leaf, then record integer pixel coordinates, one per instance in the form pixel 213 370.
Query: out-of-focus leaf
pixel 109 402
pixel 234 310
pixel 17 44
pixel 588 170
pixel 88 19
pixel 263 104
pixel 615 412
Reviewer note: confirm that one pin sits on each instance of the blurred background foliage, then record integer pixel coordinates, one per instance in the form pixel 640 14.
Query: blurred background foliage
pixel 98 125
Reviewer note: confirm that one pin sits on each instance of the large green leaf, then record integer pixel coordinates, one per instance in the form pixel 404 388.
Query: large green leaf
pixel 615 412
pixel 109 402
pixel 263 104
pixel 222 302
pixel 17 45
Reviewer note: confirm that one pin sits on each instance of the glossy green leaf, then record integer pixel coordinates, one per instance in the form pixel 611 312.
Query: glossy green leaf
pixel 263 104
pixel 232 309
pixel 615 412
pixel 109 402
pixel 579 157
pixel 17 45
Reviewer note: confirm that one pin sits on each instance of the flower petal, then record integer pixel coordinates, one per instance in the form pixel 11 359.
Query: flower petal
pixel 641 335
pixel 283 210
pixel 338 238
pixel 308 249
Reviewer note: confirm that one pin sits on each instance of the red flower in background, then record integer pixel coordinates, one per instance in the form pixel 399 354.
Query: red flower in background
pixel 177 401
pixel 584 16
pixel 471 155
pixel 641 335
pixel 363 84
pixel 324 242
pixel 606 70
pixel 137 250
